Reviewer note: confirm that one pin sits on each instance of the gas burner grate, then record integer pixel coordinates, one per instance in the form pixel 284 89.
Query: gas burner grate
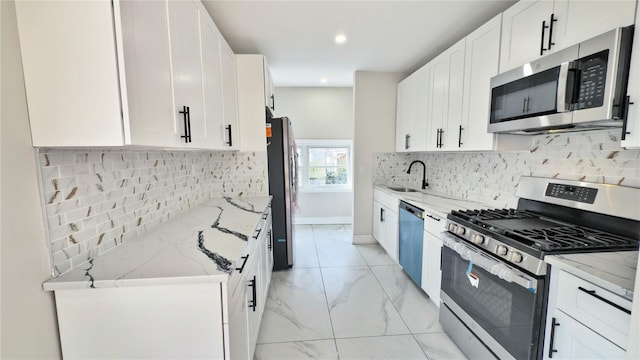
pixel 493 214
pixel 573 238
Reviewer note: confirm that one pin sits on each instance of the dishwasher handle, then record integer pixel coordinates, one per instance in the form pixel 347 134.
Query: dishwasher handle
pixel 413 210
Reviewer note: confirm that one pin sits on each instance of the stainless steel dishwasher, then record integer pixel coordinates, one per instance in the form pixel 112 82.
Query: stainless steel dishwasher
pixel 411 230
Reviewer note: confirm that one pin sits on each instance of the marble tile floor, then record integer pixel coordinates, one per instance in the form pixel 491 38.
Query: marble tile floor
pixel 344 301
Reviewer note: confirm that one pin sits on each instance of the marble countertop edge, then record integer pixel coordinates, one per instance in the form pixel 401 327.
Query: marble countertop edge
pixel 159 281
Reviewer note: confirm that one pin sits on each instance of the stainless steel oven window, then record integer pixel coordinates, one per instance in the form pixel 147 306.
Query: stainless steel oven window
pixel 511 314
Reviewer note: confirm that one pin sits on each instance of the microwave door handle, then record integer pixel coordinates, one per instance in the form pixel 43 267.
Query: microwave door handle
pixel 563 104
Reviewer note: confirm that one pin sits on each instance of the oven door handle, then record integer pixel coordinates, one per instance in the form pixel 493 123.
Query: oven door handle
pixel 490 264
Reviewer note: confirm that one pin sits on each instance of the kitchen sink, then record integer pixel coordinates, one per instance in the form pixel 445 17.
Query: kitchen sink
pixel 401 189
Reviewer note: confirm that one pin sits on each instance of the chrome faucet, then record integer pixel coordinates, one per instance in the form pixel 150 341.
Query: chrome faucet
pixel 425 183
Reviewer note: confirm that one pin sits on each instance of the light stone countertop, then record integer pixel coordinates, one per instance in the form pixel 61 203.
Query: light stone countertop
pixel 613 271
pixel 201 245
pixel 434 202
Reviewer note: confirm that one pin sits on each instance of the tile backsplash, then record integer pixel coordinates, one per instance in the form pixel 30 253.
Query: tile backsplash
pixel 97 199
pixel 492 177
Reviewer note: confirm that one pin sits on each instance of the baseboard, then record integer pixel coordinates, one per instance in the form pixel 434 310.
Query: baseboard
pixel 330 220
pixel 364 239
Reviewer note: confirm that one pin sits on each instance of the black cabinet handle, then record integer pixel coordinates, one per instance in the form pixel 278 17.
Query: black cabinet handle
pixel 432 217
pixel 439 133
pixel 270 243
pixel 230 142
pixel 551 43
pixel 441 255
pixel 460 136
pixel 625 115
pixel 381 215
pixel 554 323
pixel 544 26
pixel 246 257
pixel 273 102
pixel 593 293
pixel 187 124
pixel 256 233
pixel 253 302
pixel 265 216
pixel 406 141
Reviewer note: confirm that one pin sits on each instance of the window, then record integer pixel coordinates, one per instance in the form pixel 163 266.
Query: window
pixel 324 164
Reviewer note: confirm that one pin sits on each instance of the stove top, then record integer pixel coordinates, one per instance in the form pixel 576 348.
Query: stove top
pixel 544 234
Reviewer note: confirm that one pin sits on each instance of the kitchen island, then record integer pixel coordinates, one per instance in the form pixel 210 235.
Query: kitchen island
pixel 194 286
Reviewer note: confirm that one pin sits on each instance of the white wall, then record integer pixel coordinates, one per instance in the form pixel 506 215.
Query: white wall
pixel 29 328
pixel 375 118
pixel 319 113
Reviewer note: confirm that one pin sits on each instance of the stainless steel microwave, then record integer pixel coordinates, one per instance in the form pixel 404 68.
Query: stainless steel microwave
pixel 581 87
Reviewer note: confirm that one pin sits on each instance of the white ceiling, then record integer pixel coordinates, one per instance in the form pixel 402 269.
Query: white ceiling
pixel 297 37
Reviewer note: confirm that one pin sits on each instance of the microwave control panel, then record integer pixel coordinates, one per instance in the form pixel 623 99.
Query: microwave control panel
pixel 592 72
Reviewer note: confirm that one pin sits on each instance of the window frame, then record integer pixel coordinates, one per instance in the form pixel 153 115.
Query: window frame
pixel 303 146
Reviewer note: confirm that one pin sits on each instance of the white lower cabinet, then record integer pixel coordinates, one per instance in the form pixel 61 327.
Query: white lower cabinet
pixel 432 256
pixel 385 222
pixel 584 320
pixel 573 340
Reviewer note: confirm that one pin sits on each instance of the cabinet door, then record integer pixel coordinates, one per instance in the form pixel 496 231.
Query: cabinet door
pixel 184 31
pixel 431 270
pixel 230 98
pixel 212 78
pixel 522 32
pixel 579 20
pixel 632 136
pixel 378 224
pixel 572 340
pixel 239 327
pixel 455 91
pixel 403 113
pixel 255 305
pixel 391 233
pixel 482 56
pixel 439 92
pixel 71 79
pixel 419 102
pixel 269 95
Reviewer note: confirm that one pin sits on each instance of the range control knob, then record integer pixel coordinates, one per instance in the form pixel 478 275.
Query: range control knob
pixel 501 250
pixel 478 239
pixel 515 257
pixel 460 230
pixel 452 228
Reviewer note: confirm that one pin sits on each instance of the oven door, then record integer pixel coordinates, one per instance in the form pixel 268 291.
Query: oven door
pixel 503 306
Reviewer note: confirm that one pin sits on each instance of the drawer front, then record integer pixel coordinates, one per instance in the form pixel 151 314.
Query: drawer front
pixel 604 312
pixel 387 200
pixel 434 223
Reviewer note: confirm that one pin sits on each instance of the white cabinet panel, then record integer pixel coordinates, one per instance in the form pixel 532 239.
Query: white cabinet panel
pixel 212 78
pixel 62 65
pixel 447 79
pixel 522 32
pixel 184 31
pixel 482 52
pixel 230 99
pixel 580 20
pixel 431 269
pixel 572 340
pixel 412 113
pixel 632 135
pixel 251 101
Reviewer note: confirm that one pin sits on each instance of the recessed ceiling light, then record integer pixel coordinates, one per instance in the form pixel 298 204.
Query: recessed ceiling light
pixel 341 38
pixel 323 80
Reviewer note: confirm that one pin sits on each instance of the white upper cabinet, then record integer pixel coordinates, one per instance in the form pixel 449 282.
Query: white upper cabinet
pixel 269 95
pixel 412 111
pixel 186 66
pixel 632 129
pixel 447 79
pixel 219 76
pixel 533 28
pixel 129 83
pixel 253 100
pixel 481 63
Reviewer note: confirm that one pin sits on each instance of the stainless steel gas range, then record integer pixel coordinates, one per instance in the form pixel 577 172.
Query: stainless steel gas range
pixel 494 277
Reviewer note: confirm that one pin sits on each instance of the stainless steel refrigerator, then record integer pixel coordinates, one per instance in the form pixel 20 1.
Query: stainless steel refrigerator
pixel 283 186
